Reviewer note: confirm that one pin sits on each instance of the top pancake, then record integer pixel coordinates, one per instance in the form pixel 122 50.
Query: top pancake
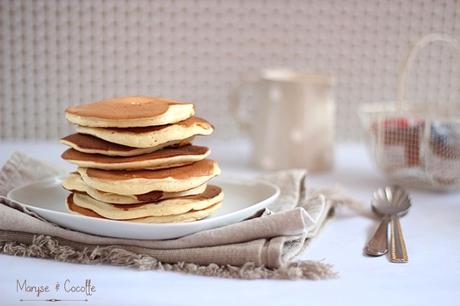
pixel 135 111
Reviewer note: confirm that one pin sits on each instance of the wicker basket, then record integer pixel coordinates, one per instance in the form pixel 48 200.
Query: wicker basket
pixel 413 144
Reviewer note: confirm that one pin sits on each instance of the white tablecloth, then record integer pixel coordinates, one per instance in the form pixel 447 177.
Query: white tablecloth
pixel 431 229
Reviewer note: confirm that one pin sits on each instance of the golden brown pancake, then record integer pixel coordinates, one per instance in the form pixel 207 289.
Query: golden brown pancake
pixel 212 195
pixel 193 215
pixel 190 122
pixel 74 182
pixel 93 145
pixel 201 168
pixel 130 112
pixel 165 158
pixel 143 181
pixel 151 136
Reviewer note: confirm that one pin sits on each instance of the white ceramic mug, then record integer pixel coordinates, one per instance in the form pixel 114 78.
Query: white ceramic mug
pixel 293 122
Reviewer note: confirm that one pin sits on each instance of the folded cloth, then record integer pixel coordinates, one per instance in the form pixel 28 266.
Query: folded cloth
pixel 263 246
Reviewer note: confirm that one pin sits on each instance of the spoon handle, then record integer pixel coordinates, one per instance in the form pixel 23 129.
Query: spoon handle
pixel 378 245
pixel 398 249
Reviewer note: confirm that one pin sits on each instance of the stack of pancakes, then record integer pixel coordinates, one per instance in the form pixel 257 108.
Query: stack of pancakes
pixel 136 161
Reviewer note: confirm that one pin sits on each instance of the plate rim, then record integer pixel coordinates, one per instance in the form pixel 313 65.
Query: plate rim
pixel 230 180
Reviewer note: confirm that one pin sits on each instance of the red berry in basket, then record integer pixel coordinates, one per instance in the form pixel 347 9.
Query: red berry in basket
pixel 396 123
pixel 402 132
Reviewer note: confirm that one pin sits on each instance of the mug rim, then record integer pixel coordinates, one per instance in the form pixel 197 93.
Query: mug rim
pixel 296 76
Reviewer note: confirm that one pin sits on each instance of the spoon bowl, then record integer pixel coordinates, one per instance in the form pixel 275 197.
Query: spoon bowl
pixel 391 200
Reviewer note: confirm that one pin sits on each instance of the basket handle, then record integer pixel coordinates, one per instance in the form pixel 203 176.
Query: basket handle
pixel 407 64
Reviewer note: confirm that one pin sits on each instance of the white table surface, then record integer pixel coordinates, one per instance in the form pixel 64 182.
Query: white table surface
pixel 431 229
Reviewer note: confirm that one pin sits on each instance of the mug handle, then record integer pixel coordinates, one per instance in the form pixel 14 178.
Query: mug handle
pixel 235 99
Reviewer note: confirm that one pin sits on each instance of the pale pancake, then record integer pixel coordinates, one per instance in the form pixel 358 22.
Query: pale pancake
pixel 146 137
pixel 177 206
pixel 133 111
pixel 73 182
pixel 165 158
pixel 93 145
pixel 142 181
pixel 190 216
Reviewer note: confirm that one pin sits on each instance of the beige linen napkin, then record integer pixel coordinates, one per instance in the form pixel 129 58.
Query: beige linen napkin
pixel 264 246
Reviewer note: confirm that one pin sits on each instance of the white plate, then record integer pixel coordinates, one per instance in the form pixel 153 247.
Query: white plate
pixel 243 198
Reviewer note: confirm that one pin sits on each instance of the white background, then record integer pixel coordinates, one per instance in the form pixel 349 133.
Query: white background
pixel 56 53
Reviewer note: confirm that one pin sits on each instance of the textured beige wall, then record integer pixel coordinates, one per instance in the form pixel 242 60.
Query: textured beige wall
pixel 56 53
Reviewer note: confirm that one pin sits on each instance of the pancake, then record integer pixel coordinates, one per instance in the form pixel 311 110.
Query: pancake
pixel 211 196
pixel 152 136
pixel 93 145
pixel 130 182
pixel 165 158
pixel 190 216
pixel 133 111
pixel 73 182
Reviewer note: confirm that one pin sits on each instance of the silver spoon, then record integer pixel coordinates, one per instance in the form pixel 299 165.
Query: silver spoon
pixel 378 244
pixel 390 203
